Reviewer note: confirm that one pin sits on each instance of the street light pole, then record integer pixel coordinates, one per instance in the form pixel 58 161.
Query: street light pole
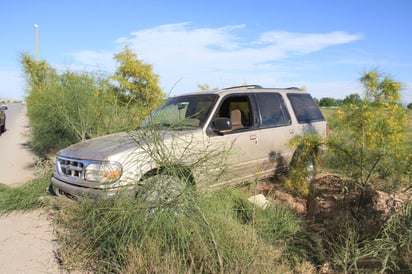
pixel 36 27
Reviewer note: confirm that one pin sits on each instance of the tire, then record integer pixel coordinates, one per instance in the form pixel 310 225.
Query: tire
pixel 309 164
pixel 163 190
pixel 53 190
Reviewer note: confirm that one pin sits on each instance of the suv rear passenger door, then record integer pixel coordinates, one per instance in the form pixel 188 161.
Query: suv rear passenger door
pixel 275 131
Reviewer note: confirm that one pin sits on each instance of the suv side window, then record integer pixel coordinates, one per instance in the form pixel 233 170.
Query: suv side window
pixel 272 110
pixel 305 108
pixel 238 109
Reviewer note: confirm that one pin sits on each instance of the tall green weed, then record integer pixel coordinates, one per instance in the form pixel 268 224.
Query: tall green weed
pixel 28 196
pixel 70 107
pixel 118 236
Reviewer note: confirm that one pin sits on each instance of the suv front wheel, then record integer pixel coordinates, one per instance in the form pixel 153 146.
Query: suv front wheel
pixel 163 190
pixel 3 127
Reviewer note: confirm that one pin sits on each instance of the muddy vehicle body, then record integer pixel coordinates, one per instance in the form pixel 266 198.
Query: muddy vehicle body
pixel 254 123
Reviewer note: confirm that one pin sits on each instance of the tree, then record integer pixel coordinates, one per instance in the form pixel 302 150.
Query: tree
pixel 78 105
pixel 353 99
pixel 43 107
pixel 369 142
pixel 69 107
pixel 74 106
pixel 380 87
pixel 38 75
pixel 338 102
pixel 135 82
pixel 327 102
pixel 409 106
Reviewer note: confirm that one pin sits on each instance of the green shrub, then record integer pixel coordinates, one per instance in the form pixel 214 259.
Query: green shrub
pixel 304 165
pixel 66 108
pixel 118 236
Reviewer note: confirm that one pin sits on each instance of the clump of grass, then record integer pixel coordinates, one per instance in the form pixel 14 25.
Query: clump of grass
pixel 30 195
pixel 303 248
pixel 276 224
pixel 273 224
pixel 118 236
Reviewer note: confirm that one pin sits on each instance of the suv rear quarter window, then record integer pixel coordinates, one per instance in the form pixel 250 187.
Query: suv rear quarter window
pixel 305 108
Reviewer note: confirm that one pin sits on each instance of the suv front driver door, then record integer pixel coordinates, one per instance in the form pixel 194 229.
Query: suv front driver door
pixel 241 141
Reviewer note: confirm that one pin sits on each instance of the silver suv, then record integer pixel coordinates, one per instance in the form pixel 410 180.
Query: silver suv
pixel 255 124
pixel 3 107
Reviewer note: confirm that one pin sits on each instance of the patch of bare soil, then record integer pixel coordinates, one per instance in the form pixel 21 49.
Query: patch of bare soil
pixel 334 202
pixel 333 207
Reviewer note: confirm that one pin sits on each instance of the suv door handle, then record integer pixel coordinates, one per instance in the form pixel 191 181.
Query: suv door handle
pixel 253 137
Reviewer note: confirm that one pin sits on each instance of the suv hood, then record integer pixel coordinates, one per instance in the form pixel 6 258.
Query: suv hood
pixel 112 147
pixel 101 148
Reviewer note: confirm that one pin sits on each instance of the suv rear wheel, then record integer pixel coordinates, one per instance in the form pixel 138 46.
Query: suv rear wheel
pixel 305 162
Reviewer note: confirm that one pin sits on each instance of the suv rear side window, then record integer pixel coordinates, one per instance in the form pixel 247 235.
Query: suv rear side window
pixel 273 110
pixel 305 108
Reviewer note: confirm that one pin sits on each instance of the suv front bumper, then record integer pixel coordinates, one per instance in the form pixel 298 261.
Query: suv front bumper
pixel 61 188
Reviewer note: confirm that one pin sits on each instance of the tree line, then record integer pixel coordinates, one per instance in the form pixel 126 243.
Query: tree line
pixel 351 99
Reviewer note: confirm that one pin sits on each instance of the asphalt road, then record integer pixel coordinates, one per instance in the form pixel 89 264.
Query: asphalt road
pixel 26 238
pixel 16 160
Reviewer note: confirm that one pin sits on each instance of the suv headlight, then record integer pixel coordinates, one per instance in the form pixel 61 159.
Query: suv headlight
pixel 104 172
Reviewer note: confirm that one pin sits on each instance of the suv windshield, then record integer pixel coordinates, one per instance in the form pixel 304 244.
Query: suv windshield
pixel 182 112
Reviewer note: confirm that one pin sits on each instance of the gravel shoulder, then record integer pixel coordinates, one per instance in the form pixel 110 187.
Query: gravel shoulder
pixel 26 239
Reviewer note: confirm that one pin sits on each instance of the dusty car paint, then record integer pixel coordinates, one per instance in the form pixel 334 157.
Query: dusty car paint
pixel 265 122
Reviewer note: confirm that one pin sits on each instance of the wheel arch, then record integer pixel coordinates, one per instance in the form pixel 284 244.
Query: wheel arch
pixel 177 170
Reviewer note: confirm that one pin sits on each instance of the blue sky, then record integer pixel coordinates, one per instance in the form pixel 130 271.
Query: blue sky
pixel 322 45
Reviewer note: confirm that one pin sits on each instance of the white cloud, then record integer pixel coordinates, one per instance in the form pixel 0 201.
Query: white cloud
pixel 220 56
pixel 208 49
pixel 174 36
pixel 303 43
pixel 217 55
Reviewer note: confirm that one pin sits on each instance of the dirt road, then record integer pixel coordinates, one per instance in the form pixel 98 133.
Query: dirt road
pixel 26 239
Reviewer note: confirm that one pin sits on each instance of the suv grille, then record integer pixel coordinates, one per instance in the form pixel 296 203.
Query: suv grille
pixel 70 167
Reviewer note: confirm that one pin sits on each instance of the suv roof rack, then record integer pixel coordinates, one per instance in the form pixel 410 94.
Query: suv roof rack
pixel 244 86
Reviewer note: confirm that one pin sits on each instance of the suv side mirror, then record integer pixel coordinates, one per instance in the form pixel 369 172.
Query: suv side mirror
pixel 222 124
pixel 4 108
